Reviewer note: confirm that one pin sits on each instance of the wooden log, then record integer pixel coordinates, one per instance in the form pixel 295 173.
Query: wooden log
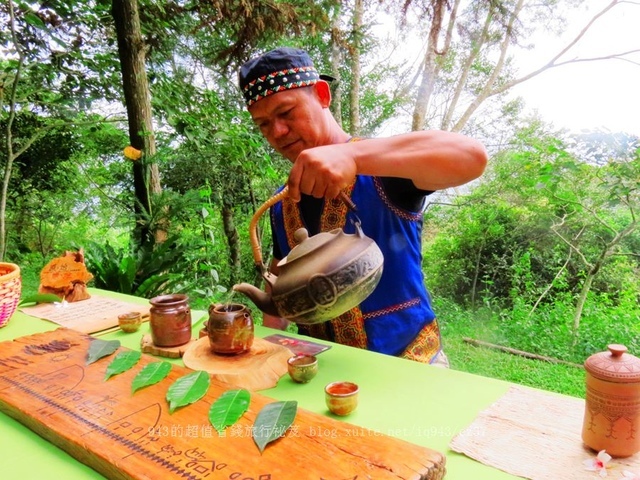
pixel 521 353
pixel 46 384
pixel 258 369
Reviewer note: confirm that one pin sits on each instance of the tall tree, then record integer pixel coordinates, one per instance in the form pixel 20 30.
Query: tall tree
pixel 52 71
pixel 354 56
pixel 131 50
pixel 467 58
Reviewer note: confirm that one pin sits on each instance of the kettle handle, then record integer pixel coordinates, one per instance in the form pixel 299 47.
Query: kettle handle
pixel 253 224
pixel 253 227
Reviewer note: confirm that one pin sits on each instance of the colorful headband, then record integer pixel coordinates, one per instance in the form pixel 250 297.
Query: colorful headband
pixel 275 71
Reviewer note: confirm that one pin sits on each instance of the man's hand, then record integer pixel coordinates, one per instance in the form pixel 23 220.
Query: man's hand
pixel 321 172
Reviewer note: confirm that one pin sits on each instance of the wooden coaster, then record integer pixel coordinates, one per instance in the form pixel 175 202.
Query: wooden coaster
pixel 147 346
pixel 259 368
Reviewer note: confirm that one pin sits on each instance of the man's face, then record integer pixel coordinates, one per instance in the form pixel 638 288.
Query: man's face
pixel 291 121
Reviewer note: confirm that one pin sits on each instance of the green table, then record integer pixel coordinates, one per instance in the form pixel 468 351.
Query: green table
pixel 419 403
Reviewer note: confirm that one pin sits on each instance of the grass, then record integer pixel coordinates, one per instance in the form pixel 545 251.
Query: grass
pixel 505 366
pixel 457 324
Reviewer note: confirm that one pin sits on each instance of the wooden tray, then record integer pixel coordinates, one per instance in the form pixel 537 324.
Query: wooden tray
pixel 258 369
pixel 46 384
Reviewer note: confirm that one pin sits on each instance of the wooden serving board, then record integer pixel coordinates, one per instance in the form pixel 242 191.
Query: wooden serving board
pixel 46 384
pixel 258 369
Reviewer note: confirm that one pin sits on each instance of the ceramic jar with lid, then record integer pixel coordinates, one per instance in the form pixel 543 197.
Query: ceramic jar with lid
pixel 612 407
pixel 170 320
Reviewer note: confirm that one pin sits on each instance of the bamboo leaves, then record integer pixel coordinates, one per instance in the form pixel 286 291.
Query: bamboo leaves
pixel 122 362
pixel 273 421
pixel 187 389
pixel 150 375
pixel 228 408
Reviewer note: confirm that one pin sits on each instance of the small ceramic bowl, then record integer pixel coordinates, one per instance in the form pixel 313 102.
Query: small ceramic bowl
pixel 130 322
pixel 341 397
pixel 302 368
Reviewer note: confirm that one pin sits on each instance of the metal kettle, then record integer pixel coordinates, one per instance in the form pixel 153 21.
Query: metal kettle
pixel 323 276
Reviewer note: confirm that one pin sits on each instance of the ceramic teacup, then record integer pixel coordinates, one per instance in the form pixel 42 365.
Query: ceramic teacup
pixel 130 322
pixel 302 368
pixel 341 397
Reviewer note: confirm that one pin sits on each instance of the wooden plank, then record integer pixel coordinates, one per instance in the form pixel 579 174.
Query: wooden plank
pixel 45 384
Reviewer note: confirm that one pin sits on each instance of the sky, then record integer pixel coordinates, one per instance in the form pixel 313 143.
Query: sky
pixel 598 95
pixel 602 95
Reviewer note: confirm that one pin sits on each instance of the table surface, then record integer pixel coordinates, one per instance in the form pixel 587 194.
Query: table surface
pixel 419 403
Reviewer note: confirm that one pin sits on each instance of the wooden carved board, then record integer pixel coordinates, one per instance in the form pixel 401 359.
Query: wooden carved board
pixel 46 384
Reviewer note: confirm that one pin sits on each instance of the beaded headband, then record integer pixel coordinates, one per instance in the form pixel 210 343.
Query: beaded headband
pixel 275 71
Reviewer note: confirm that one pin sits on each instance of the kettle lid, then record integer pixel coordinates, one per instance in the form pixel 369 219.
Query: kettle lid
pixel 615 365
pixel 307 244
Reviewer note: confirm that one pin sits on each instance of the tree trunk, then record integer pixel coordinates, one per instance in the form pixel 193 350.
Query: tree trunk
pixel 354 94
pixel 336 62
pixel 582 298
pixel 231 233
pixel 425 90
pixel 466 70
pixel 131 51
pixel 495 73
pixel 8 167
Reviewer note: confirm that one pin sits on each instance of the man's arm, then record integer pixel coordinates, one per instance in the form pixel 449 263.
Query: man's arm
pixel 432 159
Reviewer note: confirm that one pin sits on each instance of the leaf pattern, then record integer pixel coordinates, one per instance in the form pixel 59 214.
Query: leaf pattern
pixel 101 348
pixel 122 362
pixel 228 408
pixel 273 421
pixel 187 389
pixel 151 374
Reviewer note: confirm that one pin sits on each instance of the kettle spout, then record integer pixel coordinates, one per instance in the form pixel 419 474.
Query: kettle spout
pixel 261 299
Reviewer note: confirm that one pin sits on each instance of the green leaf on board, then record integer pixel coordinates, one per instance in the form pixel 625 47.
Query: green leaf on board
pixel 40 298
pixel 122 362
pixel 228 408
pixel 187 389
pixel 101 348
pixel 151 374
pixel 273 421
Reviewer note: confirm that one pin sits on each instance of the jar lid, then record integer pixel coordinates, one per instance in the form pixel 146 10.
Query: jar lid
pixel 615 365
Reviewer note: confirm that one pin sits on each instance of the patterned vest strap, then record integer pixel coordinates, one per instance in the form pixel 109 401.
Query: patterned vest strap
pixel 348 328
pixel 425 346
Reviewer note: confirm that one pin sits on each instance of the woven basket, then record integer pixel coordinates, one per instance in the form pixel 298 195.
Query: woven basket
pixel 10 289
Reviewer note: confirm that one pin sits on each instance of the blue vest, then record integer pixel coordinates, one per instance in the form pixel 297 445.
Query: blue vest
pixel 400 307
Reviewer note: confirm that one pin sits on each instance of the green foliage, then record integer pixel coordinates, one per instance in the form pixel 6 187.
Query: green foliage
pixel 122 362
pixel 187 389
pixel 144 271
pixel 101 348
pixel 151 374
pixel 273 421
pixel 541 221
pixel 229 408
